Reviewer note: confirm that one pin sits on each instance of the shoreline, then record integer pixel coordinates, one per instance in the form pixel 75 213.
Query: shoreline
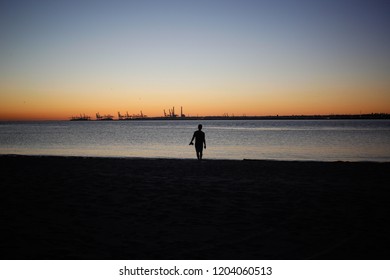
pixel 373 116
pixel 55 207
pixel 193 159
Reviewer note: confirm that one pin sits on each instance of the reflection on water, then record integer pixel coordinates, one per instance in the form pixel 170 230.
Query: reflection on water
pixel 327 140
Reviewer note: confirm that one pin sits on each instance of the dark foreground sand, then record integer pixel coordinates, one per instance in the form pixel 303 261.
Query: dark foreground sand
pixel 102 208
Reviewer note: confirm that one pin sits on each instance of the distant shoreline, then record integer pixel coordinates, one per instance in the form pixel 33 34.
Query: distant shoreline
pixel 374 116
pixel 293 117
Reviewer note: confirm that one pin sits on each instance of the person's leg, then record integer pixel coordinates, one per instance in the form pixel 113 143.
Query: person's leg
pixel 199 149
pixel 198 152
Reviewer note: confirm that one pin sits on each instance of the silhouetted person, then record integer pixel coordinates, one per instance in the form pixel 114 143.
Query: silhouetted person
pixel 200 139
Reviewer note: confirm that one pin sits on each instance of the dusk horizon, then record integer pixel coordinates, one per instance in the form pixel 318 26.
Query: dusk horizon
pixel 227 116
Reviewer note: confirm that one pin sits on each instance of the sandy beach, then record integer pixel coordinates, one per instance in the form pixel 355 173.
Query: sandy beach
pixel 111 208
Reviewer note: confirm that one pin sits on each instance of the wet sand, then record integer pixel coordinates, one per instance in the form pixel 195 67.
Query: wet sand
pixel 107 208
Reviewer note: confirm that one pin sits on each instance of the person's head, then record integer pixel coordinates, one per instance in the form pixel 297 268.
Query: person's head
pixel 200 127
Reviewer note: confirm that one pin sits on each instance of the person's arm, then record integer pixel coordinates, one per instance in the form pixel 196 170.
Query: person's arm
pixel 204 141
pixel 193 137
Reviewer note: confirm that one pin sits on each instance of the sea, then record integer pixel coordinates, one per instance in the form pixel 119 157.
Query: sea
pixel 292 140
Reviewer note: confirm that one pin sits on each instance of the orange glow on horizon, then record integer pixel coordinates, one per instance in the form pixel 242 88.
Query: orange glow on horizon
pixel 22 104
pixel 264 109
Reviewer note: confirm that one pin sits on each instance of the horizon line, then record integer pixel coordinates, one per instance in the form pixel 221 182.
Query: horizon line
pixel 221 117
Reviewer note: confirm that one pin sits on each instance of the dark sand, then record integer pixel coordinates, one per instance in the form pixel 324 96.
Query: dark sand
pixel 105 208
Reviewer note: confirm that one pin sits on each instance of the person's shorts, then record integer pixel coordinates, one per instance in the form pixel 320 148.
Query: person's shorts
pixel 199 148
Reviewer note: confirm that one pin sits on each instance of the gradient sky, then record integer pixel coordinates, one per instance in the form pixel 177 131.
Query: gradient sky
pixel 62 58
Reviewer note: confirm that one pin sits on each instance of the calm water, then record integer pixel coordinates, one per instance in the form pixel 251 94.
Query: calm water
pixel 325 140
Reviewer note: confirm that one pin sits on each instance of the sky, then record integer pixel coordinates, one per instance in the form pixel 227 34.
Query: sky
pixel 243 57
